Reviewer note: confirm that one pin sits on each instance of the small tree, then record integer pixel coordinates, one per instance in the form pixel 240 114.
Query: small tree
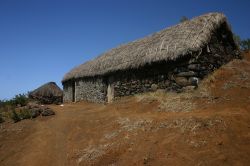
pixel 183 19
pixel 20 99
pixel 245 44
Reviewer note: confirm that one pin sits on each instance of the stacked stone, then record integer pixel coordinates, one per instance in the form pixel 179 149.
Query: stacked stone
pixel 93 90
pixel 185 76
pixel 174 81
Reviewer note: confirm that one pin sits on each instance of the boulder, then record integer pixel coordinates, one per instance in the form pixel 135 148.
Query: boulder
pixel 154 87
pixel 35 113
pixel 47 112
pixel 195 67
pixel 35 110
pixel 187 74
pixel 182 81
pixel 194 81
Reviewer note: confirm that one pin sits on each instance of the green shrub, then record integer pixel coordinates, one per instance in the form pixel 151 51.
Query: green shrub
pixel 8 108
pixel 20 99
pixel 7 104
pixel 245 44
pixel 25 114
pixel 15 117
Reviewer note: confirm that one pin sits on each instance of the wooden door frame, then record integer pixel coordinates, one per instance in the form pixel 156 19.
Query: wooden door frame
pixel 110 89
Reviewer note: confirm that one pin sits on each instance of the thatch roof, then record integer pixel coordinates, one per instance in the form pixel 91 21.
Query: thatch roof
pixel 47 90
pixel 166 45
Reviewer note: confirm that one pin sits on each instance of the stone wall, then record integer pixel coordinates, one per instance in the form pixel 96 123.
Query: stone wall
pixel 179 75
pixel 151 79
pixel 68 91
pixel 90 89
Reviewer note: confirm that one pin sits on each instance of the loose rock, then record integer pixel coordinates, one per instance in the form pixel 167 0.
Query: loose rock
pixel 182 81
pixel 187 74
pixel 194 81
pixel 194 67
pixel 47 112
pixel 154 87
pixel 35 113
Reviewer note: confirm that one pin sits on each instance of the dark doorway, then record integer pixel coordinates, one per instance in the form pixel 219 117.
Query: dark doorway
pixel 73 91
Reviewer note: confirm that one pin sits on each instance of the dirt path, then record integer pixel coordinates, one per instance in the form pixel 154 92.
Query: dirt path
pixel 48 141
pixel 47 144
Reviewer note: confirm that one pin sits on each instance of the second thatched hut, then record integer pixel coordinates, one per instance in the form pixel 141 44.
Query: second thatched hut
pixel 48 93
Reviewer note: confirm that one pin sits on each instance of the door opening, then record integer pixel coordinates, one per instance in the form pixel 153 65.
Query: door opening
pixel 110 90
pixel 110 93
pixel 73 91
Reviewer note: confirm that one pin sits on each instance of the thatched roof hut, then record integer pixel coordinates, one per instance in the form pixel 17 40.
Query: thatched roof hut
pixel 166 45
pixel 47 94
pixel 172 59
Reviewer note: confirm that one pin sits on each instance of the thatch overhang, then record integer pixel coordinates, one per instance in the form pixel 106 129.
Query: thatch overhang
pixel 166 45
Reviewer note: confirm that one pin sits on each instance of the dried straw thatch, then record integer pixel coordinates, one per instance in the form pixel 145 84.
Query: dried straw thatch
pixel 166 45
pixel 47 93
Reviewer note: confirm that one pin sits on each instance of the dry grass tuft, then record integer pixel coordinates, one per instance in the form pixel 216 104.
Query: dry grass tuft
pixel 192 124
pixel 130 125
pixel 179 102
pixel 169 101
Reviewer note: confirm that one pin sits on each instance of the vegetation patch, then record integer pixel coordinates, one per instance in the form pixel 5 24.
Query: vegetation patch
pixel 15 117
pixel 25 114
pixel 20 108
pixel 170 101
pixel 19 100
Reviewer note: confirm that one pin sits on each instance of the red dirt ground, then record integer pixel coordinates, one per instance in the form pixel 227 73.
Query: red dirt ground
pixel 208 126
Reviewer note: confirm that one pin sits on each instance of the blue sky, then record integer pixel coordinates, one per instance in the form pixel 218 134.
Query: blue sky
pixel 41 40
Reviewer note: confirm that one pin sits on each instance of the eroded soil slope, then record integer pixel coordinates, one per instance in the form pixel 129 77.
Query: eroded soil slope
pixel 208 126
